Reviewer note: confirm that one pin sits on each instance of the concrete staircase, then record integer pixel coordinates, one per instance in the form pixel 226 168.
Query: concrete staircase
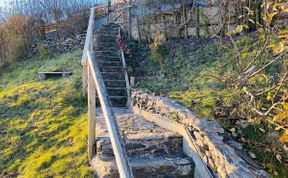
pixel 107 54
pixel 152 150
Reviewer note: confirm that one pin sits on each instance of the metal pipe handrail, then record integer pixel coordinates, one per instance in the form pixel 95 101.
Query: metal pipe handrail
pixel 122 162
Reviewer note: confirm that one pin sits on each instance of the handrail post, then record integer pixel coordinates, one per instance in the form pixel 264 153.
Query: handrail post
pixel 91 114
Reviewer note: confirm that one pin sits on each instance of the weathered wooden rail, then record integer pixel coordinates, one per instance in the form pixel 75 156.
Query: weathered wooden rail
pixel 93 83
pixel 128 88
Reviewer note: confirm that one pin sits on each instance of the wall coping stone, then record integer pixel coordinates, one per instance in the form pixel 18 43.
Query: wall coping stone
pixel 219 151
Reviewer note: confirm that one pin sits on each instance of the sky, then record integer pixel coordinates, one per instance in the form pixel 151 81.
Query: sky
pixel 4 2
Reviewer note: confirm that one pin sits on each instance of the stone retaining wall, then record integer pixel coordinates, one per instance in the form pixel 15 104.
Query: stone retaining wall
pixel 217 149
pixel 62 45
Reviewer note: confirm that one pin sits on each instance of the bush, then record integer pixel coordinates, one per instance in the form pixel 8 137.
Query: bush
pixel 16 37
pixel 43 53
pixel 158 53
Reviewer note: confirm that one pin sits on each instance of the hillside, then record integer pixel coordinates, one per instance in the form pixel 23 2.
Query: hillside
pixel 197 73
pixel 43 123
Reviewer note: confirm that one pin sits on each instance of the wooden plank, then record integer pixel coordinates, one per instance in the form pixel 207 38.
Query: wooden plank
pixel 122 161
pixel 91 115
pixel 88 35
pixel 88 44
pixel 128 88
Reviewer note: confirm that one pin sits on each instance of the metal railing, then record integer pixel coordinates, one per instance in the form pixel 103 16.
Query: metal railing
pixel 93 82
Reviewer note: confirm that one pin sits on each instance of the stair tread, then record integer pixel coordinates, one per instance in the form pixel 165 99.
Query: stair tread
pixel 151 167
pixel 142 138
pixel 112 72
pixel 101 51
pixel 101 56
pixel 108 61
pixel 137 162
pixel 115 96
pixel 116 88
pixel 116 80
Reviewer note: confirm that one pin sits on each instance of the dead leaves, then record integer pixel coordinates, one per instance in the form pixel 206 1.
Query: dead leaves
pixel 284 138
pixel 281 118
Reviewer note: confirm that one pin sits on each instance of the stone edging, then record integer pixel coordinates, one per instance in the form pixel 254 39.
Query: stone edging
pixel 216 148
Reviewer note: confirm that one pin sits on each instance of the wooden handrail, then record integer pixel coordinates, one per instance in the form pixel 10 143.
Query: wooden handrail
pixel 128 87
pixel 89 34
pixel 123 164
pixel 93 81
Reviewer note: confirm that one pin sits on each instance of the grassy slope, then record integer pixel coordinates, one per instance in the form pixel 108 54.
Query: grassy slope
pixel 43 123
pixel 190 75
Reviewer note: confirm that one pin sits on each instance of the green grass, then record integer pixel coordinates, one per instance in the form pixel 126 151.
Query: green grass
pixel 195 75
pixel 43 123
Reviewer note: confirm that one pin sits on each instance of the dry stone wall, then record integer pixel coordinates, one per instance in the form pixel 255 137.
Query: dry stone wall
pixel 62 45
pixel 223 155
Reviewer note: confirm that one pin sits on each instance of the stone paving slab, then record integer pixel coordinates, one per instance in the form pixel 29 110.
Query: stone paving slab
pixel 132 126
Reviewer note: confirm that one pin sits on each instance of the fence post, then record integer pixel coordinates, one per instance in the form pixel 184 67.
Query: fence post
pixel 129 19
pixel 85 78
pixel 108 10
pixel 198 22
pixel 91 114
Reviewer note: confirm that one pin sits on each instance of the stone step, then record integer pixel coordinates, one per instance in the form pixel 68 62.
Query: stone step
pixel 111 69
pixel 109 27
pixel 105 42
pixel 112 25
pixel 160 167
pixel 115 83
pixel 139 145
pixel 108 58
pixel 107 48
pixel 116 91
pixel 104 63
pixel 113 75
pixel 107 31
pixel 106 53
pixel 116 101
pixel 153 151
pixel 105 35
pixel 101 40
